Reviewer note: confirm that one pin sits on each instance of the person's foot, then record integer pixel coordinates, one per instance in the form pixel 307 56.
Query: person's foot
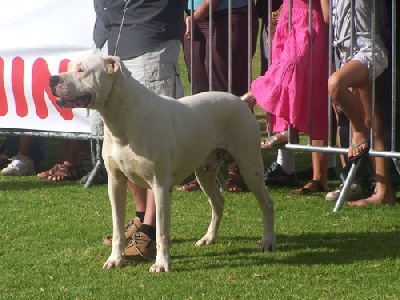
pixel 355 192
pixel 313 186
pixel 141 248
pixel 61 172
pixel 48 173
pixel 130 229
pixel 20 166
pixel 235 183
pixel 274 175
pixel 280 139
pixel 249 100
pixel 377 198
pixel 190 187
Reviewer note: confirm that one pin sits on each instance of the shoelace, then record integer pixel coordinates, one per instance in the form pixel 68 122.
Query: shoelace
pixel 130 224
pixel 137 239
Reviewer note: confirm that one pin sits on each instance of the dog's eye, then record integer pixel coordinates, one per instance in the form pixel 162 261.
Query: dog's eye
pixel 80 70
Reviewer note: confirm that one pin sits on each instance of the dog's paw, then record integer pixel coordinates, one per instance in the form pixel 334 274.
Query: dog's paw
pixel 205 240
pixel 267 246
pixel 159 268
pixel 113 263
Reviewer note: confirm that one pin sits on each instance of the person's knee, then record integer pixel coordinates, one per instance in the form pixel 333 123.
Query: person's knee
pixel 334 86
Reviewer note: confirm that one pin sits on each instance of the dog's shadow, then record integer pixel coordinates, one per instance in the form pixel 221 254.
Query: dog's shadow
pixel 304 249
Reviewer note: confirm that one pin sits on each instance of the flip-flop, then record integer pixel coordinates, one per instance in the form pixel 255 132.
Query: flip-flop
pixel 362 153
pixel 306 191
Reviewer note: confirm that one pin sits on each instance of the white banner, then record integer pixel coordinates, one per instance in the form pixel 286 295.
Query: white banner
pixel 38 38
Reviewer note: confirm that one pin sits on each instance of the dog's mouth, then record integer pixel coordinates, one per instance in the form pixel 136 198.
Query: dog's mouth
pixel 78 102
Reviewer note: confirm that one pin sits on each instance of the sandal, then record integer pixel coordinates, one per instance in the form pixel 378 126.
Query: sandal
pixel 280 139
pixel 314 187
pixel 66 173
pixel 361 153
pixel 46 174
pixel 249 100
pixel 235 183
pixel 189 187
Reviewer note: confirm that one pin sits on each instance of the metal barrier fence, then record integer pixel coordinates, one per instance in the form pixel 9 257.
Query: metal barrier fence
pixel 392 151
pixel 95 145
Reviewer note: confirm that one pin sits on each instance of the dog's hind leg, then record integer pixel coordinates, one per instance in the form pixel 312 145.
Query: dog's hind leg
pixel 252 172
pixel 207 183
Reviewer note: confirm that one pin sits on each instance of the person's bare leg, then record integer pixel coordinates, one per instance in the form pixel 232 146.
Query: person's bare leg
pixel 384 192
pixel 320 164
pixel 25 145
pixel 320 168
pixel 139 196
pixel 150 215
pixel 72 155
pixel 145 202
pixel 353 74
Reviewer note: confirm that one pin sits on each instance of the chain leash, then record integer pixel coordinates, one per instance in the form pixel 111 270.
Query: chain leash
pixel 122 24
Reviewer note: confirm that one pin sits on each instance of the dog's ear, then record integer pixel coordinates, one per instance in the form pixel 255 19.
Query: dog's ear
pixel 112 64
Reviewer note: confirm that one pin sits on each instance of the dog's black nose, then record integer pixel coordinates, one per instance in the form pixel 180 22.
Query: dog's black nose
pixel 54 80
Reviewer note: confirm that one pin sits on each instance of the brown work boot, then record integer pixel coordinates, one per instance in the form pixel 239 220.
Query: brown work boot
pixel 141 248
pixel 130 229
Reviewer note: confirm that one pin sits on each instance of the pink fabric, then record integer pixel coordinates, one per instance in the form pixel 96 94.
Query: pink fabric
pixel 284 90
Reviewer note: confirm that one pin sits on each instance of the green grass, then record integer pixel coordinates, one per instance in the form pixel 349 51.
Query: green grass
pixel 51 246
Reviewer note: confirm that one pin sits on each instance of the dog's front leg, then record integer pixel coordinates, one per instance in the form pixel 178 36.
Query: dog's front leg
pixel 163 198
pixel 117 195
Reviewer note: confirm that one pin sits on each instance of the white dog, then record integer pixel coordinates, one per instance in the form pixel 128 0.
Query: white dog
pixel 158 141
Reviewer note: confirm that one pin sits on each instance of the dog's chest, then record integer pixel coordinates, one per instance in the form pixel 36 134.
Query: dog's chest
pixel 122 159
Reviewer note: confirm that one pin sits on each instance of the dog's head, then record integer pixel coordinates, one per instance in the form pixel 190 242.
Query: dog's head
pixel 87 83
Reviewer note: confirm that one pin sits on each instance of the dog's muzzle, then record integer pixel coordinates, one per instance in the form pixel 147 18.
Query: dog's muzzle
pixel 78 102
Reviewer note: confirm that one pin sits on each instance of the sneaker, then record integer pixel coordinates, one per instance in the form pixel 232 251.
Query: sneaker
pixel 356 192
pixel 274 174
pixel 130 229
pixel 20 166
pixel 141 248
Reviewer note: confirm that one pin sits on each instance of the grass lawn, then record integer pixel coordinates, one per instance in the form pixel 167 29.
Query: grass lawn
pixel 51 246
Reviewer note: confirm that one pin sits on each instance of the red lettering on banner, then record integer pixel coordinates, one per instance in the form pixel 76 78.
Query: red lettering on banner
pixel 17 82
pixel 40 85
pixel 63 66
pixel 3 98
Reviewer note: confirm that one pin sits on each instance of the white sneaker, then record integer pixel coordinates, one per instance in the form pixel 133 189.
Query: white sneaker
pixel 355 192
pixel 20 166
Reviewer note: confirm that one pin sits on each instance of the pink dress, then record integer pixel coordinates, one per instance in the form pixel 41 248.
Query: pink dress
pixel 284 90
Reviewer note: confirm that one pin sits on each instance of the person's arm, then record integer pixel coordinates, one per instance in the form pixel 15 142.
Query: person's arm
pixel 200 14
pixel 325 10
